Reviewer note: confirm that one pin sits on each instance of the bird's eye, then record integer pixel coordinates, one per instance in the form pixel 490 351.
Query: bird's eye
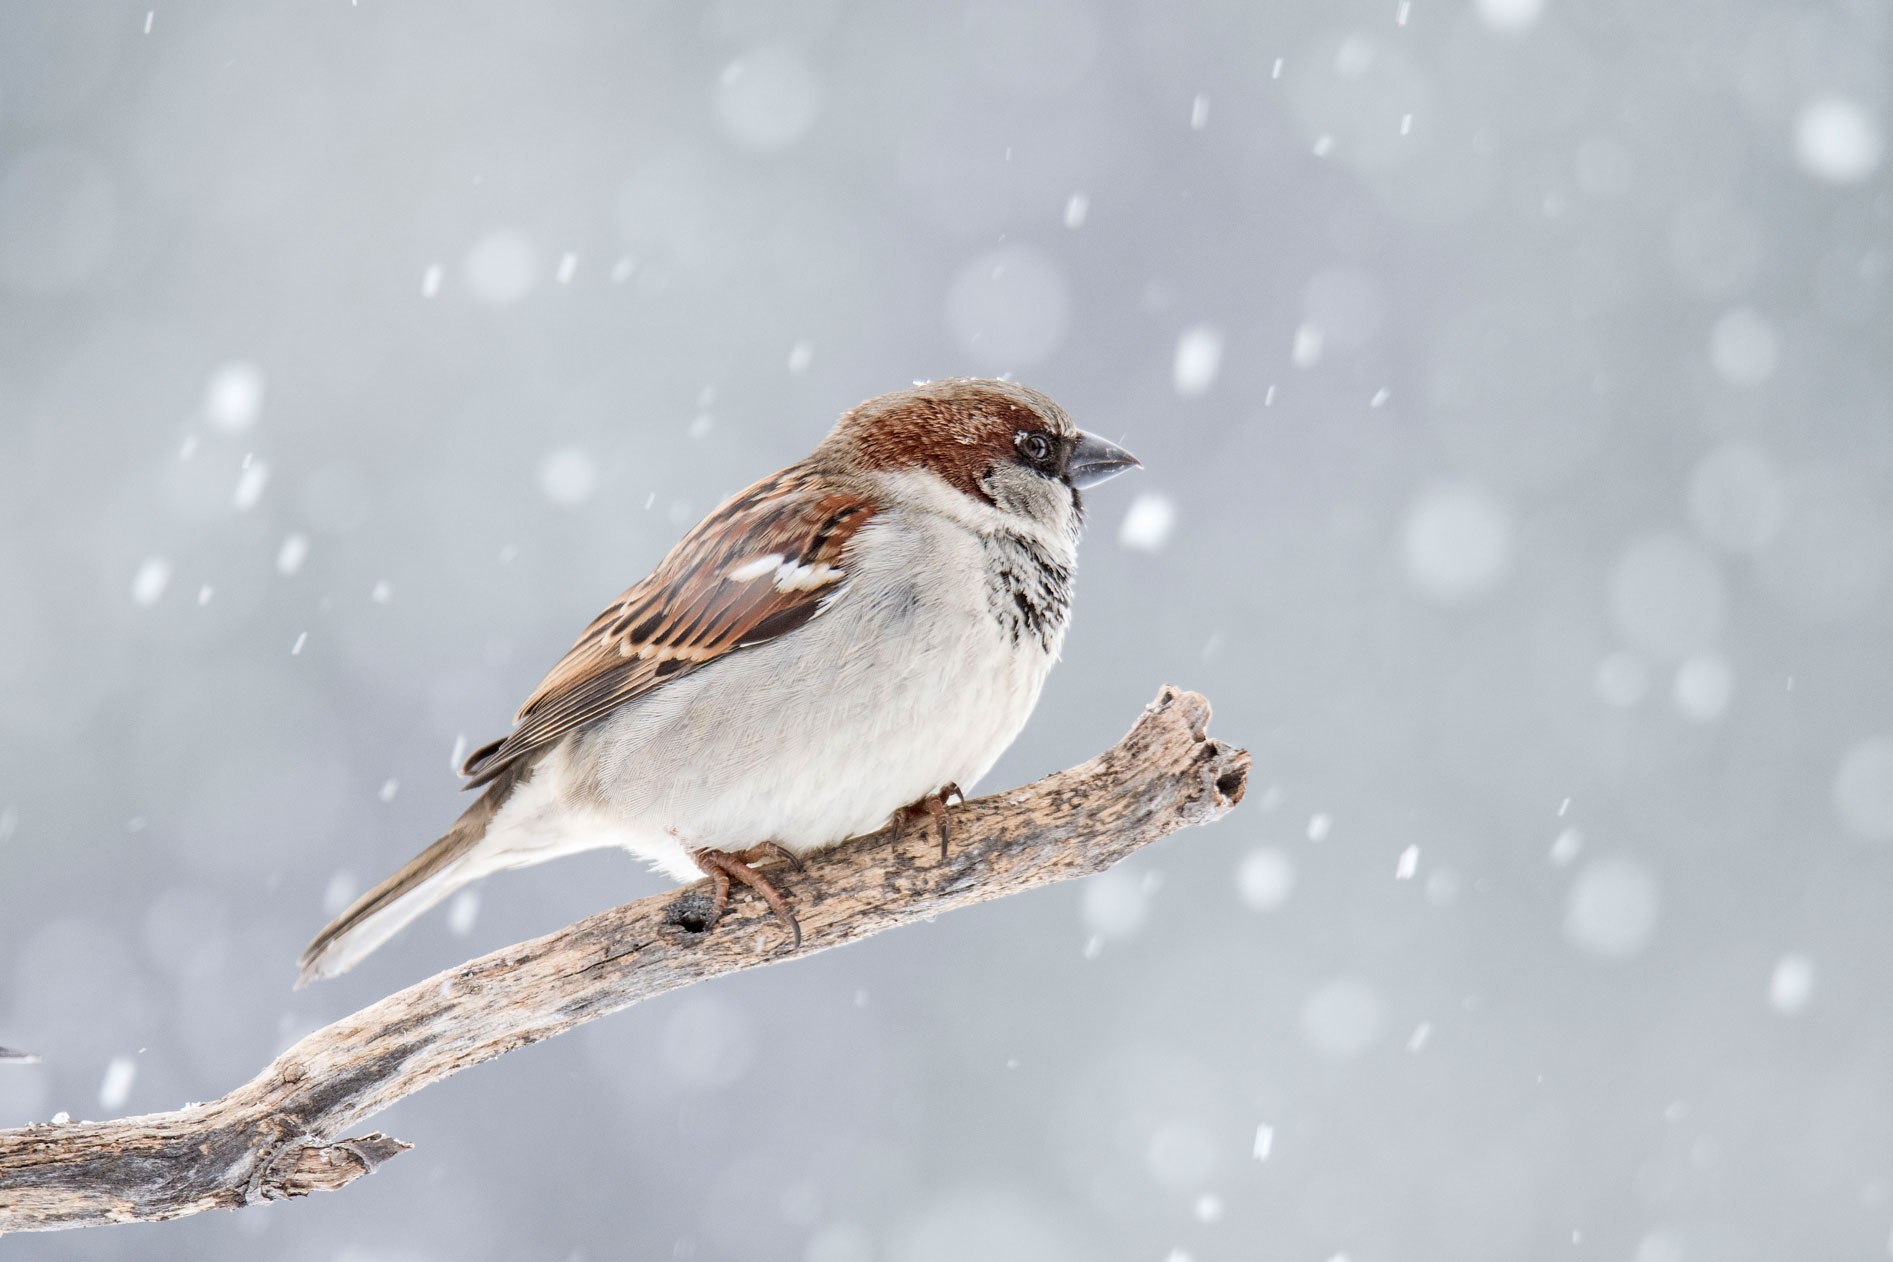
pixel 1035 447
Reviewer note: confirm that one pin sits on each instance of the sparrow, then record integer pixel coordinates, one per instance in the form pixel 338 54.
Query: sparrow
pixel 849 640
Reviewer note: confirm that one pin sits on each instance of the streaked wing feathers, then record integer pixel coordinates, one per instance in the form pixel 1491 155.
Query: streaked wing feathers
pixel 757 568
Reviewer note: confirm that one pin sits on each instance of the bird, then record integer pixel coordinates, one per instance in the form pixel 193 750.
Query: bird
pixel 852 640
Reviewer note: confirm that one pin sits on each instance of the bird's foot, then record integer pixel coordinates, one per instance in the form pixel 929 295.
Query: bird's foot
pixel 723 866
pixel 934 807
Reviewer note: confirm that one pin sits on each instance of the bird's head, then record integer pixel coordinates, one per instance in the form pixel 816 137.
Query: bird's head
pixel 1006 448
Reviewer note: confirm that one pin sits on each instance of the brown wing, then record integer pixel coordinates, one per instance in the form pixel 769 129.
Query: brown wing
pixel 758 567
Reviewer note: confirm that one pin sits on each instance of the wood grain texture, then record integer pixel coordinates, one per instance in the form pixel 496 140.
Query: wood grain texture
pixel 280 1134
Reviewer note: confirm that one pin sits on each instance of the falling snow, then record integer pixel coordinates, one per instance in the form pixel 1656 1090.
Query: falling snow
pixel 1511 385
pixel 1837 141
pixel 462 912
pixel 1612 909
pixel 250 484
pixel 1116 904
pixel 233 397
pixel 1566 847
pixel 1306 352
pixel 1510 16
pixel 1199 356
pixel 501 268
pixel 116 1086
pixel 568 476
pixel 290 556
pixel 148 584
pixel 340 892
pixel 1791 984
pixel 1265 878
pixel 1705 683
pixel 1457 542
pixel 1148 524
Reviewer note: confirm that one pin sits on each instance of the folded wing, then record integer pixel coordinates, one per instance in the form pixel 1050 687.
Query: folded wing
pixel 760 566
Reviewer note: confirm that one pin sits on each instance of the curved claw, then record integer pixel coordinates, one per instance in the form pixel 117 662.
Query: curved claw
pixel 722 867
pixel 935 804
pixel 773 850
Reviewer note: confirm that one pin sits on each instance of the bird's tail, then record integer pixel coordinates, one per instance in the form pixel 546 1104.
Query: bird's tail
pixel 429 877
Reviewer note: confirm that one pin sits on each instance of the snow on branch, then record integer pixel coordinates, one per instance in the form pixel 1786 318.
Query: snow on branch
pixel 282 1133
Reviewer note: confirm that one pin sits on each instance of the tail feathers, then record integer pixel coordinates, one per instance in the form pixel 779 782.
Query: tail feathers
pixel 388 908
pixel 383 912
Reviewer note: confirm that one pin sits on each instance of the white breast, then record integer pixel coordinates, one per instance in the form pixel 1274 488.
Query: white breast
pixel 903 685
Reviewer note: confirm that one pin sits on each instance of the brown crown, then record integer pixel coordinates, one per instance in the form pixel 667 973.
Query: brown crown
pixel 958 428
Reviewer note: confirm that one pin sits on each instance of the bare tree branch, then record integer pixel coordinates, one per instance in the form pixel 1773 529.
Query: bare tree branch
pixel 277 1135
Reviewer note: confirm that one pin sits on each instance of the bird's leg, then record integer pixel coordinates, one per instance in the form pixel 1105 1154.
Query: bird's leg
pixel 723 866
pixel 934 805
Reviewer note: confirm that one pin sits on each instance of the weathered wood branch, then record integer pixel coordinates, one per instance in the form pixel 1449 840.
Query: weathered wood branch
pixel 279 1134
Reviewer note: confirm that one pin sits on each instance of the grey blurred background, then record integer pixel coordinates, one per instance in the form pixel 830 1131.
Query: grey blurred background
pixel 1512 379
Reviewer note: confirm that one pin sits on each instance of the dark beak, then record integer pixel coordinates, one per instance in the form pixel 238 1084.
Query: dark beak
pixel 1093 460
